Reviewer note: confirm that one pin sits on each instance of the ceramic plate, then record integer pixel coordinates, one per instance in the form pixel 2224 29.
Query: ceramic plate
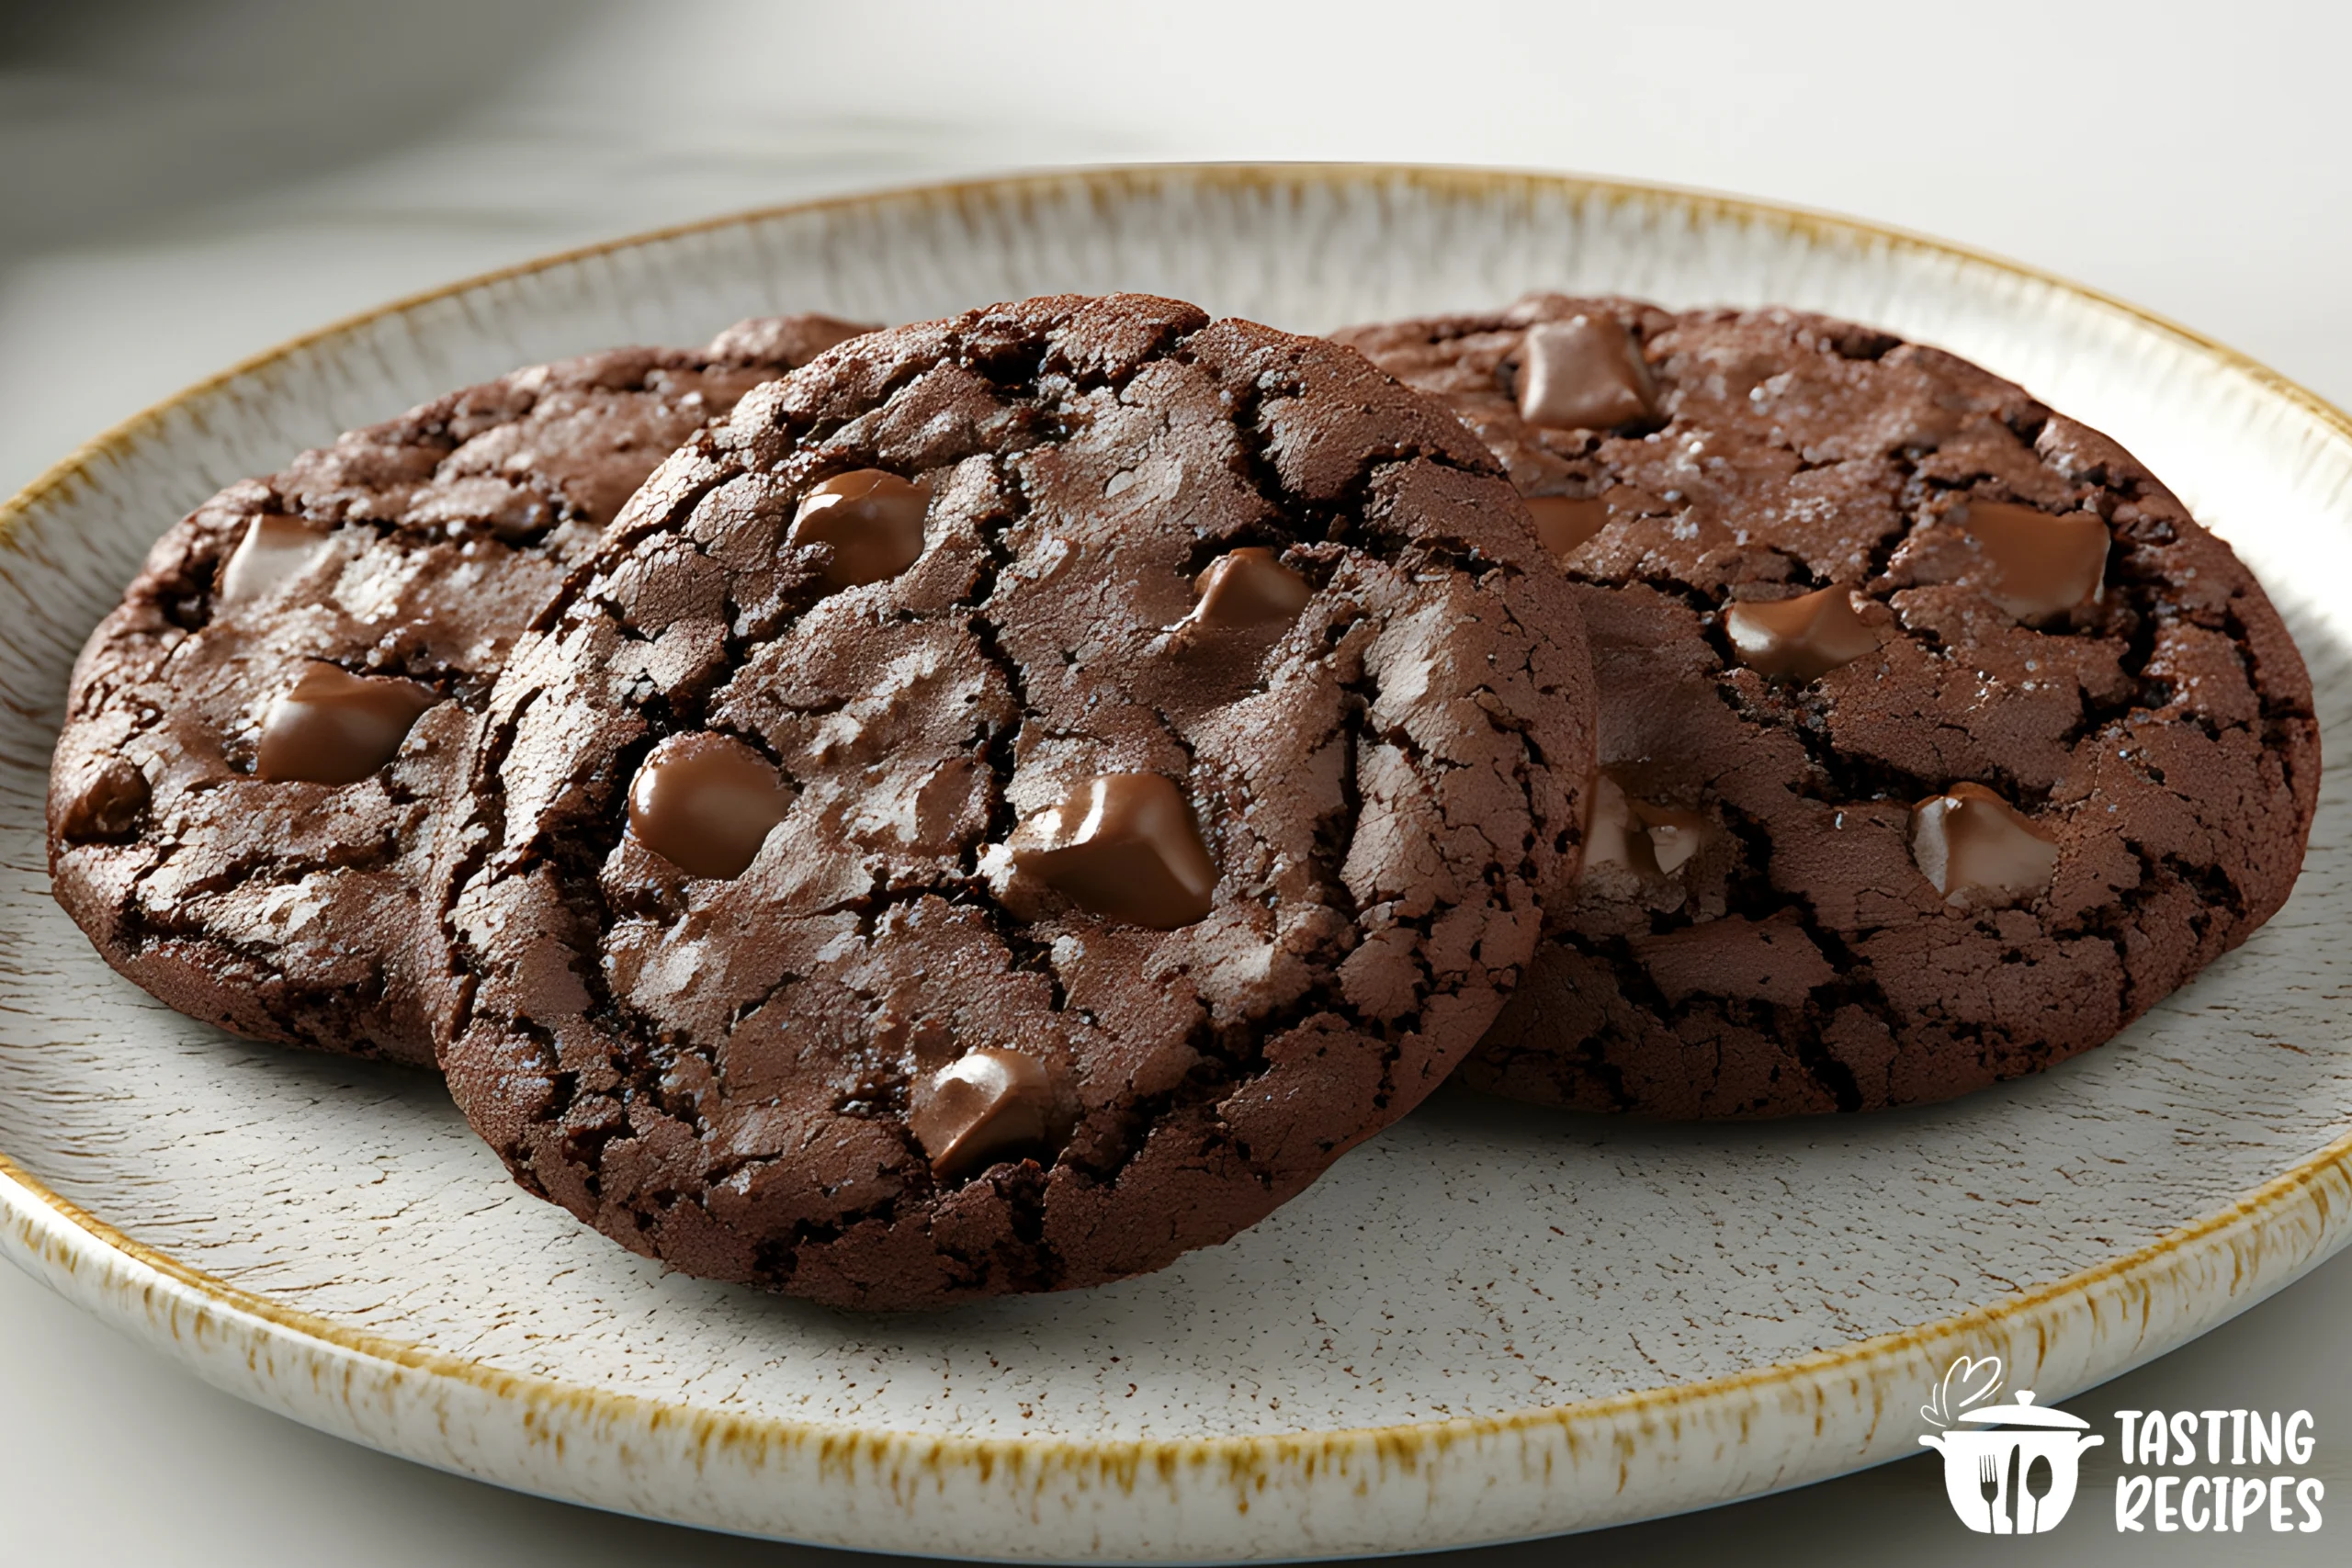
pixel 1490 1324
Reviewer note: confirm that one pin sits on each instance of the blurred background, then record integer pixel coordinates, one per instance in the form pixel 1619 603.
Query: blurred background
pixel 183 183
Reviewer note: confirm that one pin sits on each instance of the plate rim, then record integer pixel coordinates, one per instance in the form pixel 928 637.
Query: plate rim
pixel 2242 1225
pixel 2285 1225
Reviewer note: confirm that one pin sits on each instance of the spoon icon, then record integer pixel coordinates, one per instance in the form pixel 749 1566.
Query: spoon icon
pixel 2038 1479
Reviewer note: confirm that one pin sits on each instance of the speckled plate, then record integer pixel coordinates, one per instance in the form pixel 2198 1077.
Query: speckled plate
pixel 1488 1324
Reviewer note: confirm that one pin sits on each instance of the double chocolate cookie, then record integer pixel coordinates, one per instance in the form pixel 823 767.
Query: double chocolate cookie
pixel 1938 742
pixel 241 805
pixel 1014 803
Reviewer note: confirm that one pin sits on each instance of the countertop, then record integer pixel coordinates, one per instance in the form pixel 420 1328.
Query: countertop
pixel 187 183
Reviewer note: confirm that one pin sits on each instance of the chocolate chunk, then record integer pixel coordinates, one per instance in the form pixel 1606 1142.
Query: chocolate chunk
pixel 274 549
pixel 334 728
pixel 1651 840
pixel 2044 565
pixel 1674 834
pixel 1248 587
pixel 1562 522
pixel 1802 639
pixel 1585 373
pixel 1970 843
pixel 106 805
pixel 1122 845
pixel 979 1108
pixel 705 804
pixel 871 520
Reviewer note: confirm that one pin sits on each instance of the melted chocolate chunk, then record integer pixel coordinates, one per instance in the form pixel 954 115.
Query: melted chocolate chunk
pixel 274 551
pixel 1564 522
pixel 2043 566
pixel 1976 847
pixel 980 1107
pixel 705 804
pixel 336 729
pixel 1653 842
pixel 1124 846
pixel 1248 587
pixel 871 520
pixel 1585 373
pixel 106 806
pixel 1802 639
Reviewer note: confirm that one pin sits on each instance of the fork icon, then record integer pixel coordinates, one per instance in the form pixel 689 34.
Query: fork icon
pixel 1988 1483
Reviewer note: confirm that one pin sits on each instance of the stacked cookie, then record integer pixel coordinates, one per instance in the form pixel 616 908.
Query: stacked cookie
pixel 1011 799
pixel 259 740
pixel 1938 741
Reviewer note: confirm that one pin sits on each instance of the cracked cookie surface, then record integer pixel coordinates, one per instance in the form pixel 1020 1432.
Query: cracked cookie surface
pixel 241 804
pixel 1938 742
pixel 1121 759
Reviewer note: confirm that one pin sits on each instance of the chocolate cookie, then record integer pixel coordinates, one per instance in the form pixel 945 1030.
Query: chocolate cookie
pixel 254 740
pixel 1939 741
pixel 1012 804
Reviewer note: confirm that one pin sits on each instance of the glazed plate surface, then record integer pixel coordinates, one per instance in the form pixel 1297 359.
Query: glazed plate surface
pixel 1490 1324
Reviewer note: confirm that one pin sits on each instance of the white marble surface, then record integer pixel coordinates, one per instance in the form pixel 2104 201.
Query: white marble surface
pixel 2059 143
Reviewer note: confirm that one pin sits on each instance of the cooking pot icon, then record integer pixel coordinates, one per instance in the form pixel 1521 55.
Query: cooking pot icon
pixel 2016 1482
